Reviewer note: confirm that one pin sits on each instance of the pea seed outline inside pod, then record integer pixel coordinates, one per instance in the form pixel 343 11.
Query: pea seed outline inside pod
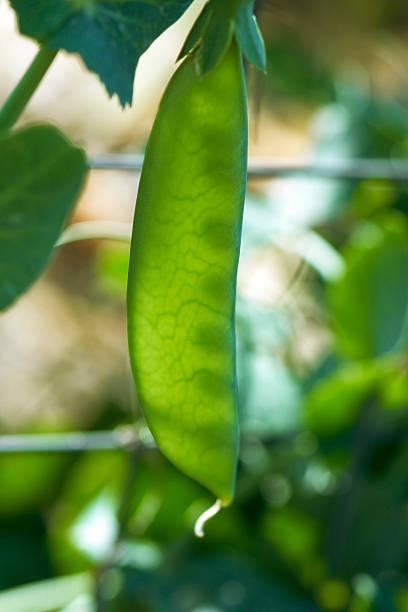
pixel 182 273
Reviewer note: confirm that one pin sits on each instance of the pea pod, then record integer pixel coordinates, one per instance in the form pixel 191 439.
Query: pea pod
pixel 182 274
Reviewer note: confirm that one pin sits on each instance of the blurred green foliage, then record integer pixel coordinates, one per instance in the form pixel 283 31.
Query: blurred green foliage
pixel 320 522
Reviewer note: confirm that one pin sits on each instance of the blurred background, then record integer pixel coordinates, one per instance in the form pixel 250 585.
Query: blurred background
pixel 320 522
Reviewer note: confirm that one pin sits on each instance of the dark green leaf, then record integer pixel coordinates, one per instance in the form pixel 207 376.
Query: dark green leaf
pixel 377 533
pixel 41 174
pixel 24 556
pixel 110 36
pixel 334 402
pixel 369 303
pixel 295 73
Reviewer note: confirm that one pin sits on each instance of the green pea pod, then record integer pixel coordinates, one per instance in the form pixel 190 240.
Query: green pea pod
pixel 182 274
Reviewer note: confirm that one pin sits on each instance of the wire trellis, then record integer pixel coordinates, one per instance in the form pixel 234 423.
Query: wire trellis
pixel 125 438
pixel 347 169
pixel 70 442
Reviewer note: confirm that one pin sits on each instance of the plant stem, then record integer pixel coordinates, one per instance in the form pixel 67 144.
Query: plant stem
pixel 357 169
pixel 96 230
pixel 70 442
pixel 21 94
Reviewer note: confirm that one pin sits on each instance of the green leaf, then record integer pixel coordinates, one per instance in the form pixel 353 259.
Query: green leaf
pixel 110 36
pixel 249 35
pixel 334 403
pixel 294 534
pixel 41 174
pixel 377 532
pixel 369 304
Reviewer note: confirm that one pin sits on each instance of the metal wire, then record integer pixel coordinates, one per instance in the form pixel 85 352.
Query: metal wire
pixel 351 169
pixel 70 442
pixel 125 437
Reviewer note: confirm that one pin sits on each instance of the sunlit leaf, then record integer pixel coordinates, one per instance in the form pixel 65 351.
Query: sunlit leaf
pixel 369 303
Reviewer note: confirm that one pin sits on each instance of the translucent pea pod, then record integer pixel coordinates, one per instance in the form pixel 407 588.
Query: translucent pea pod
pixel 183 266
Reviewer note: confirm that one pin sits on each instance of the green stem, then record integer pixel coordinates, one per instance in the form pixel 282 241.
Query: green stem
pixel 20 96
pixel 96 230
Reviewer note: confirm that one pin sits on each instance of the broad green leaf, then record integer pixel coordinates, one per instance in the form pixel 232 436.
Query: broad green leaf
pixel 110 36
pixel 334 403
pixel 369 303
pixel 41 174
pixel 375 537
pixel 293 533
pixel 296 73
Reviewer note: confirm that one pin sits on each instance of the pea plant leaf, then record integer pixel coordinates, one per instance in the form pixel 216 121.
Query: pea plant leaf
pixel 41 174
pixel 109 36
pixel 369 303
